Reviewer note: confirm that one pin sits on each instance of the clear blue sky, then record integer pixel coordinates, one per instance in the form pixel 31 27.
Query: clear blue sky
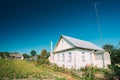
pixel 32 24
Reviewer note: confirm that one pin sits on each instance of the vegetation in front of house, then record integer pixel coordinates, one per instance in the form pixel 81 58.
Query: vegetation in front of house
pixel 43 58
pixel 22 69
pixel 114 69
pixel 113 72
pixel 40 68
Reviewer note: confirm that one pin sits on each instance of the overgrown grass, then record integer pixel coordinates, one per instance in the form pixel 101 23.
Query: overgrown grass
pixel 21 69
pixel 30 70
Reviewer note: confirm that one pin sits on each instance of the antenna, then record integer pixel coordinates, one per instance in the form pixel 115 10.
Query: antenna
pixel 98 21
pixel 99 28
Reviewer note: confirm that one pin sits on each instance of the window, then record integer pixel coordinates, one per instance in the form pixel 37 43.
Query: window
pixel 83 56
pixel 63 57
pixel 99 56
pixel 69 57
pixel 62 41
pixel 91 56
pixel 58 57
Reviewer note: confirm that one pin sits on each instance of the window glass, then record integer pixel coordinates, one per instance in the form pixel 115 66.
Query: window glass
pixel 83 56
pixel 58 57
pixel 63 57
pixel 91 56
pixel 99 56
pixel 69 57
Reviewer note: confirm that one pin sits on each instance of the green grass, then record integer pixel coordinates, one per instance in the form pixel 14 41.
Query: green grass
pixel 30 70
pixel 21 69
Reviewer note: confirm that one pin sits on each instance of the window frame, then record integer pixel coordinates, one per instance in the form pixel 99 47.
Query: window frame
pixel 69 57
pixel 83 56
pixel 91 57
pixel 63 57
pixel 58 57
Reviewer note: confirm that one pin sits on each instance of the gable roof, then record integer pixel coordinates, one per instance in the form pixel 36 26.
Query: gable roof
pixel 81 43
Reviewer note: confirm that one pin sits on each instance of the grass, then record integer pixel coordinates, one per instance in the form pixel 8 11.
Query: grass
pixel 22 69
pixel 29 70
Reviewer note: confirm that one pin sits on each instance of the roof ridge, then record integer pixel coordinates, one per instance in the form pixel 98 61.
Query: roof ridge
pixel 82 43
pixel 76 38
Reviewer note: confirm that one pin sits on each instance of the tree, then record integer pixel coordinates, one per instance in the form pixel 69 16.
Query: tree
pixel 26 55
pixel 108 47
pixel 43 54
pixel 115 60
pixel 33 53
pixel 114 53
pixel 4 55
pixel 43 59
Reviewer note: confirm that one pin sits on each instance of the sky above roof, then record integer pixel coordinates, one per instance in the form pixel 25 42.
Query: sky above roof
pixel 32 24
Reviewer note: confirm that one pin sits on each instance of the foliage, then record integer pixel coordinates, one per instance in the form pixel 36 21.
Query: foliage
pixel 114 53
pixel 63 70
pixel 89 72
pixel 26 55
pixel 108 47
pixel 43 58
pixel 60 78
pixel 57 68
pixel 114 68
pixel 4 55
pixel 113 72
pixel 33 53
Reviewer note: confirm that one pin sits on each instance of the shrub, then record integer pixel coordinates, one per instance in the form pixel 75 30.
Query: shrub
pixel 60 78
pixel 88 72
pixel 113 72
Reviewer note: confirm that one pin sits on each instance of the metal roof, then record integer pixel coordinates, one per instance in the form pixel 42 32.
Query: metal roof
pixel 81 43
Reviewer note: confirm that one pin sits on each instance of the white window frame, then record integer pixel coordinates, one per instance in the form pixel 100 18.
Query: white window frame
pixel 99 56
pixel 58 57
pixel 83 56
pixel 69 56
pixel 63 57
pixel 90 56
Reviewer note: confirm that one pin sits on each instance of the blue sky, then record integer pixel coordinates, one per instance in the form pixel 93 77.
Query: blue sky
pixel 32 24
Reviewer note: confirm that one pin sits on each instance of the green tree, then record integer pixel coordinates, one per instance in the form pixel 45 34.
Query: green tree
pixel 114 53
pixel 33 53
pixel 4 55
pixel 43 59
pixel 26 55
pixel 108 47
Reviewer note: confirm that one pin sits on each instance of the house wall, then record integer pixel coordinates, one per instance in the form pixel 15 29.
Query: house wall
pixel 107 59
pixel 76 59
pixel 104 61
pixel 77 62
pixel 80 62
pixel 66 63
pixel 61 44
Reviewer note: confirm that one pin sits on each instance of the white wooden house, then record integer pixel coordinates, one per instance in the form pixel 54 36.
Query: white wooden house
pixel 74 53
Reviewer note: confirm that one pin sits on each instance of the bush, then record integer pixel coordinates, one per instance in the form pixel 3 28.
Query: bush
pixel 113 72
pixel 57 68
pixel 60 78
pixel 88 72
